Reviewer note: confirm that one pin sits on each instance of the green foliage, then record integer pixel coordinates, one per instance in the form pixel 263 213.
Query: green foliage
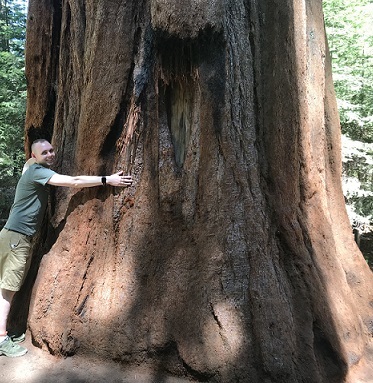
pixel 363 205
pixel 350 37
pixel 356 127
pixel 12 89
pixel 12 26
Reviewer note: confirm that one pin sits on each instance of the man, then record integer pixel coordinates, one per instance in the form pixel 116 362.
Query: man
pixel 24 220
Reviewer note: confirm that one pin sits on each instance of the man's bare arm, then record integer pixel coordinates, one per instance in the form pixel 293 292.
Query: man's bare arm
pixel 117 179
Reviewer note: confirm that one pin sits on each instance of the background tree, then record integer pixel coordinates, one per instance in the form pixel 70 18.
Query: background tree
pixel 12 88
pixel 350 39
pixel 12 99
pixel 350 36
pixel 231 258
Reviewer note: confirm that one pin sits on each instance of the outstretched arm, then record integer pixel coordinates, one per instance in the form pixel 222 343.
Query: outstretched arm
pixel 116 179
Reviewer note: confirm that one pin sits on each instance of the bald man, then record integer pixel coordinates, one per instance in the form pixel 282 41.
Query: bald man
pixel 25 219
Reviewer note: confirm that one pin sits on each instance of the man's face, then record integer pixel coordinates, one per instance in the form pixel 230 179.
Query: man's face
pixel 43 153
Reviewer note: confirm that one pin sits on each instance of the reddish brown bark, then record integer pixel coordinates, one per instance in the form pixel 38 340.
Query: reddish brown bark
pixel 231 258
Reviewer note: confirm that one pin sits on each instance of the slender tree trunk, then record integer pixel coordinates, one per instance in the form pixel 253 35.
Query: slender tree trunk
pixel 231 258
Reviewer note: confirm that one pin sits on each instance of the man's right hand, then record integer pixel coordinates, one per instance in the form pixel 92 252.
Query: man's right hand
pixel 118 179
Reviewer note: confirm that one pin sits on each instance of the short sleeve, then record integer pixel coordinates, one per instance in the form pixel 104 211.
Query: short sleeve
pixel 42 175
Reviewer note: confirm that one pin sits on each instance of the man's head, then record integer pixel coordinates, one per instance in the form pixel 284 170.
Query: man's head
pixel 43 152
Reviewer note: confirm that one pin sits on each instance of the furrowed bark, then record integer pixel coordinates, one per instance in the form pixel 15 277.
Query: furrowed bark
pixel 231 258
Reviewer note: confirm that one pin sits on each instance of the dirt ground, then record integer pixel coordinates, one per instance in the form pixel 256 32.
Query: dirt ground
pixel 38 366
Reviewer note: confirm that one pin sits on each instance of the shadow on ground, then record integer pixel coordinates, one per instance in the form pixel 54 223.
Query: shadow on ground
pixel 38 366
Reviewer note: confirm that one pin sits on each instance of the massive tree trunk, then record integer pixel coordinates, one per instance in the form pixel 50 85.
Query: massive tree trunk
pixel 231 258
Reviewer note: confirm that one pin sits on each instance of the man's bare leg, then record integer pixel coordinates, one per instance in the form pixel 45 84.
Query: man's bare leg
pixel 7 347
pixel 6 297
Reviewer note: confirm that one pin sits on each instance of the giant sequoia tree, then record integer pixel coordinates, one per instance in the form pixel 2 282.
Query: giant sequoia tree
pixel 231 258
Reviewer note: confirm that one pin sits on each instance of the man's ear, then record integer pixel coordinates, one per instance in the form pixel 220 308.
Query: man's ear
pixel 33 155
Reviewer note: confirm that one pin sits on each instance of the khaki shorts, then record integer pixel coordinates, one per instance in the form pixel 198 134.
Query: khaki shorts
pixel 15 259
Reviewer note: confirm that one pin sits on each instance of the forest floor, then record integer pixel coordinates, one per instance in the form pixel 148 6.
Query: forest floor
pixel 38 366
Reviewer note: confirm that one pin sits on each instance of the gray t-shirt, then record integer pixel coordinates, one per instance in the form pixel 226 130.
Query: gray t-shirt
pixel 30 200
